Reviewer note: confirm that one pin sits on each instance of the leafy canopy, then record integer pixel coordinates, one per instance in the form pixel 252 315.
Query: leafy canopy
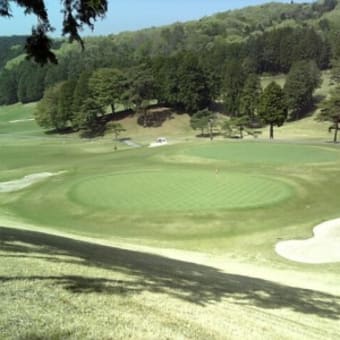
pixel 272 108
pixel 330 111
pixel 201 120
pixel 303 78
pixel 76 15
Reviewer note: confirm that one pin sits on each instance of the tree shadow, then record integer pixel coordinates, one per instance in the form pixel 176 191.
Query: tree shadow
pixel 51 336
pixel 198 284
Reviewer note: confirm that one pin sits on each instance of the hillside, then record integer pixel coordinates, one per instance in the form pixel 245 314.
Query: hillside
pixel 224 49
pixel 227 27
pixel 10 47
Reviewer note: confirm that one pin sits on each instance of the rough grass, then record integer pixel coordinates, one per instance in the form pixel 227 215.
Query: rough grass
pixel 56 287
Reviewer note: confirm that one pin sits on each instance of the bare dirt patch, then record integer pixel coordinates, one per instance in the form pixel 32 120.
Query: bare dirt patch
pixel 26 181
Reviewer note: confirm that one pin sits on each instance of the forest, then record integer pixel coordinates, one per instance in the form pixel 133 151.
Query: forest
pixel 188 66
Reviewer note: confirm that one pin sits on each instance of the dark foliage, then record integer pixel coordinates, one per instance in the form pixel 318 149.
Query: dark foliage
pixel 77 14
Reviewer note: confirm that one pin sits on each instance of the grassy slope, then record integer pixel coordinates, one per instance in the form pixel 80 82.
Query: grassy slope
pixel 176 129
pixel 60 288
pixel 17 120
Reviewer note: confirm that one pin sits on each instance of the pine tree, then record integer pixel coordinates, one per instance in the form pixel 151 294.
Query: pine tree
pixel 302 80
pixel 272 107
pixel 250 97
pixel 232 86
pixel 330 112
pixel 193 84
pixel 65 99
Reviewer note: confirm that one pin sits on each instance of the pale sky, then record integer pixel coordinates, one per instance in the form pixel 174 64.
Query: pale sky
pixel 130 15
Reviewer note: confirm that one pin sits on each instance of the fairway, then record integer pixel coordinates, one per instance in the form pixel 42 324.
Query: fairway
pixel 179 190
pixel 265 153
pixel 180 239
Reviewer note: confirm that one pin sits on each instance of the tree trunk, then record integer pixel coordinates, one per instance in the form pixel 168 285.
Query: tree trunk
pixel 113 108
pixel 144 118
pixel 336 129
pixel 271 131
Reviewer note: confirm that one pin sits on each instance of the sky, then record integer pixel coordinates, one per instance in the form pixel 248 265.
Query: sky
pixel 130 15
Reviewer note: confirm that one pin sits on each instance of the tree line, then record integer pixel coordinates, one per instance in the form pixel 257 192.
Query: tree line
pixel 272 52
pixel 182 82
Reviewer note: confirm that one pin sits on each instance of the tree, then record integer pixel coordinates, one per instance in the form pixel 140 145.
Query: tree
pixel 140 89
pixel 202 120
pixel 250 97
pixel 55 108
pixel 226 127
pixel 30 82
pixel 77 14
pixel 272 107
pixel 107 86
pixel 80 95
pixel 194 92
pixel 302 80
pixel 232 86
pixel 8 88
pixel 239 123
pixel 164 71
pixel 330 112
pixel 89 118
pixel 65 100
pixel 46 113
pixel 117 129
pixel 335 71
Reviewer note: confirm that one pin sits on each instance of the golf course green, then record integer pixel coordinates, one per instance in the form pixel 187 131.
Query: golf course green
pixel 179 190
pixel 266 153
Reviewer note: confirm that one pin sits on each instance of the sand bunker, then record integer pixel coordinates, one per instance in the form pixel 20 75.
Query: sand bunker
pixel 324 247
pixel 21 120
pixel 26 181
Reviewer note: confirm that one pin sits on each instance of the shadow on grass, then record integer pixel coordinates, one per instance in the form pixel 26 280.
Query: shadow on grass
pixel 195 283
pixel 53 336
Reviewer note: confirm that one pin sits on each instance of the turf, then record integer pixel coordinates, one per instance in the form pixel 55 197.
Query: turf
pixel 17 120
pixel 179 191
pixel 266 153
pixel 200 220
pixel 59 288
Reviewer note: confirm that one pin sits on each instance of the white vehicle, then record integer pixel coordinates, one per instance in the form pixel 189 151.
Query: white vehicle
pixel 159 142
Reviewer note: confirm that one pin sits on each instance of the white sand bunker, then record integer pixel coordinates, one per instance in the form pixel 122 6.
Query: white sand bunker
pixel 26 181
pixel 21 120
pixel 324 247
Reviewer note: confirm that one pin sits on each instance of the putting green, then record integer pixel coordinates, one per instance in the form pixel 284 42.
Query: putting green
pixel 181 190
pixel 265 153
